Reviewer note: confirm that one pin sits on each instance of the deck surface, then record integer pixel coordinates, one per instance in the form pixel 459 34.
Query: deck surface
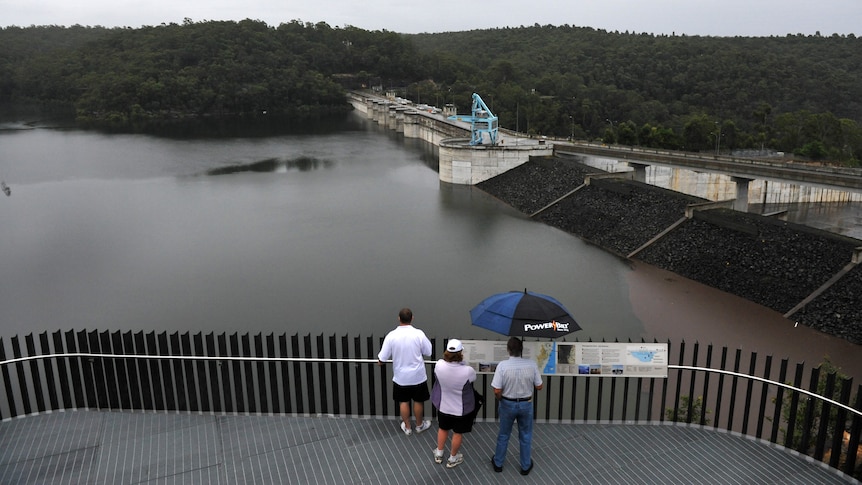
pixel 100 447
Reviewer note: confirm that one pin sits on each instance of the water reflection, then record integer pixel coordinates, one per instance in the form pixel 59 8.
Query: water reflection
pixel 16 125
pixel 301 164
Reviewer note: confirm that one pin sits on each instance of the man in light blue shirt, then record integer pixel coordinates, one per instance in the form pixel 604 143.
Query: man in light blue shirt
pixel 514 382
pixel 406 346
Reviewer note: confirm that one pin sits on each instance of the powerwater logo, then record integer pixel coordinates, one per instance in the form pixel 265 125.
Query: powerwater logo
pixel 552 325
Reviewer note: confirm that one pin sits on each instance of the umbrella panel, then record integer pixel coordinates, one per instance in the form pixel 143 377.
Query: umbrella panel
pixel 524 314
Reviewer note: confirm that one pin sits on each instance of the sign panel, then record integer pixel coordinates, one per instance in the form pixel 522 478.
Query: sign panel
pixel 602 359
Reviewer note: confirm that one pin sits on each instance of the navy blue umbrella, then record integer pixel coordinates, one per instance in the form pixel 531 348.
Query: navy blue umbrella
pixel 524 314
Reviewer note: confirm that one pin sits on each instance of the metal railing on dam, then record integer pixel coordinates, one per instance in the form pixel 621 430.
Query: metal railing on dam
pixel 293 375
pixel 839 178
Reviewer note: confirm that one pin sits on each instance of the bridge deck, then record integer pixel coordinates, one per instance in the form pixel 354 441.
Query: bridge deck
pixel 132 447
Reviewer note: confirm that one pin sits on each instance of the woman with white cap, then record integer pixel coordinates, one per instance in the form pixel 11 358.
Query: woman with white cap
pixel 453 397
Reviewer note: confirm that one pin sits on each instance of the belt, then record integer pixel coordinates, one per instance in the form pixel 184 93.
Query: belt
pixel 518 399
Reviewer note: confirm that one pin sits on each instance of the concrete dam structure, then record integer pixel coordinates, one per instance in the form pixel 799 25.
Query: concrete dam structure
pixel 637 210
pixel 460 162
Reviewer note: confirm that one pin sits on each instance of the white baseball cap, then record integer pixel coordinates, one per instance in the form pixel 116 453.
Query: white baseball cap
pixel 454 345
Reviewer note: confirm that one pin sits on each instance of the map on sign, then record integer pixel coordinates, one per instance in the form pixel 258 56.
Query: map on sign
pixel 602 359
pixel 644 356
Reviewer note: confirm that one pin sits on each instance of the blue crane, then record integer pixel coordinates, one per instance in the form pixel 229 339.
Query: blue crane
pixel 481 121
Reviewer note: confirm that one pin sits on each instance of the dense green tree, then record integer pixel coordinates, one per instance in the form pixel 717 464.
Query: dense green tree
pixel 782 93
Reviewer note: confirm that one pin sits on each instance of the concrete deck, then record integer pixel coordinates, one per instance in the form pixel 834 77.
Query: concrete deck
pixel 96 447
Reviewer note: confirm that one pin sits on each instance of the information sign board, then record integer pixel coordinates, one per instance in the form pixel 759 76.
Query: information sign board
pixel 603 359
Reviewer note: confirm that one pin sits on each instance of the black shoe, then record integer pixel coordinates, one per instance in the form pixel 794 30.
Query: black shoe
pixel 497 469
pixel 527 471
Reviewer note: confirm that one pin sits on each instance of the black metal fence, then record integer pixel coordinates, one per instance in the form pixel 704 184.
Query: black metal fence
pixel 802 409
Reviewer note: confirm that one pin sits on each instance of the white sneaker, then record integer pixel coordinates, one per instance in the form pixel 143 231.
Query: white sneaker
pixel 438 456
pixel 454 461
pixel 406 430
pixel 425 425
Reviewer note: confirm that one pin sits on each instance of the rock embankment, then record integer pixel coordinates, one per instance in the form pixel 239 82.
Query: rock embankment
pixel 772 262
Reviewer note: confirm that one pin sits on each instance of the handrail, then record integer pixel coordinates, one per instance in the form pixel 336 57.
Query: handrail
pixel 372 361
pixel 761 379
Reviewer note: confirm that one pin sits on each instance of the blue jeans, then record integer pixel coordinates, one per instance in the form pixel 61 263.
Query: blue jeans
pixel 511 411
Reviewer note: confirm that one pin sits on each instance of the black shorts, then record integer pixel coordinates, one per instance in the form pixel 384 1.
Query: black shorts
pixel 458 424
pixel 418 392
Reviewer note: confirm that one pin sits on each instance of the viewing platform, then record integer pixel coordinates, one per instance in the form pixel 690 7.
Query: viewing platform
pixel 105 447
pixel 109 407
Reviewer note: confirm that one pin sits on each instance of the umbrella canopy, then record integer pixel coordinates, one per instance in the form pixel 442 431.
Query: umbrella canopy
pixel 524 314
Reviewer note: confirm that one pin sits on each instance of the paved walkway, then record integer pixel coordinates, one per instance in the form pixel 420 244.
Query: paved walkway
pixel 92 447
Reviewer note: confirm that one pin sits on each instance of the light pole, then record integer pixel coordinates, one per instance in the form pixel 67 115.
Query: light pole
pixel 613 131
pixel 717 137
pixel 571 117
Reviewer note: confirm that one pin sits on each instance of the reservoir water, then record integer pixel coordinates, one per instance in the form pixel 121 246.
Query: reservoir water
pixel 323 231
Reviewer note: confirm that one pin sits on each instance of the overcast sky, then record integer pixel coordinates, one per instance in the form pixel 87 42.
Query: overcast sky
pixel 690 17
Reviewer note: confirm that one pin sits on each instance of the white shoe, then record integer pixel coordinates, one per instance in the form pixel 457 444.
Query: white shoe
pixel 406 430
pixel 455 461
pixel 438 456
pixel 425 425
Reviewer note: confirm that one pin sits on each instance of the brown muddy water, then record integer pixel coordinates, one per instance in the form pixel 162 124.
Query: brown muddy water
pixel 678 309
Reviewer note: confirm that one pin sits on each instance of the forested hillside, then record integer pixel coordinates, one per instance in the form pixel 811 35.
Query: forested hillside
pixel 127 76
pixel 792 93
pixel 796 93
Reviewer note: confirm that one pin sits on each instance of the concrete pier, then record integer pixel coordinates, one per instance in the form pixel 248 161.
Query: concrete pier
pixel 461 163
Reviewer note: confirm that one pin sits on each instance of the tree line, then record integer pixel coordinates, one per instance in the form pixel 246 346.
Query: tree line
pixel 795 93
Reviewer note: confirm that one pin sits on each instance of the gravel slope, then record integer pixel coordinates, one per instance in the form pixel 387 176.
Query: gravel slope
pixel 771 262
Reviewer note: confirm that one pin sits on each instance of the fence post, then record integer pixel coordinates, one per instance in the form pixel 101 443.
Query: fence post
pixel 7 384
pixel 681 360
pixel 65 390
pixel 809 412
pixel 823 425
pixel 779 400
pixel 50 382
pixel 247 371
pixel 144 370
pixel 333 376
pixel 706 385
pixel 222 370
pixel 763 391
pixel 273 374
pixel 297 377
pixel 840 423
pixel 133 378
pixel 285 374
pixel 749 388
pixel 855 431
pixel 206 404
pixel 360 370
pixel 22 378
pixel 261 382
pixel 226 372
pixel 723 366
pixel 691 397
pixel 733 383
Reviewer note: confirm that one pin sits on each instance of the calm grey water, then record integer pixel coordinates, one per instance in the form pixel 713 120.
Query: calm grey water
pixel 300 233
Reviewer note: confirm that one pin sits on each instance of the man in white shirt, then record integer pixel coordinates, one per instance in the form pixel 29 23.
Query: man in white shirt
pixel 515 380
pixel 406 346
